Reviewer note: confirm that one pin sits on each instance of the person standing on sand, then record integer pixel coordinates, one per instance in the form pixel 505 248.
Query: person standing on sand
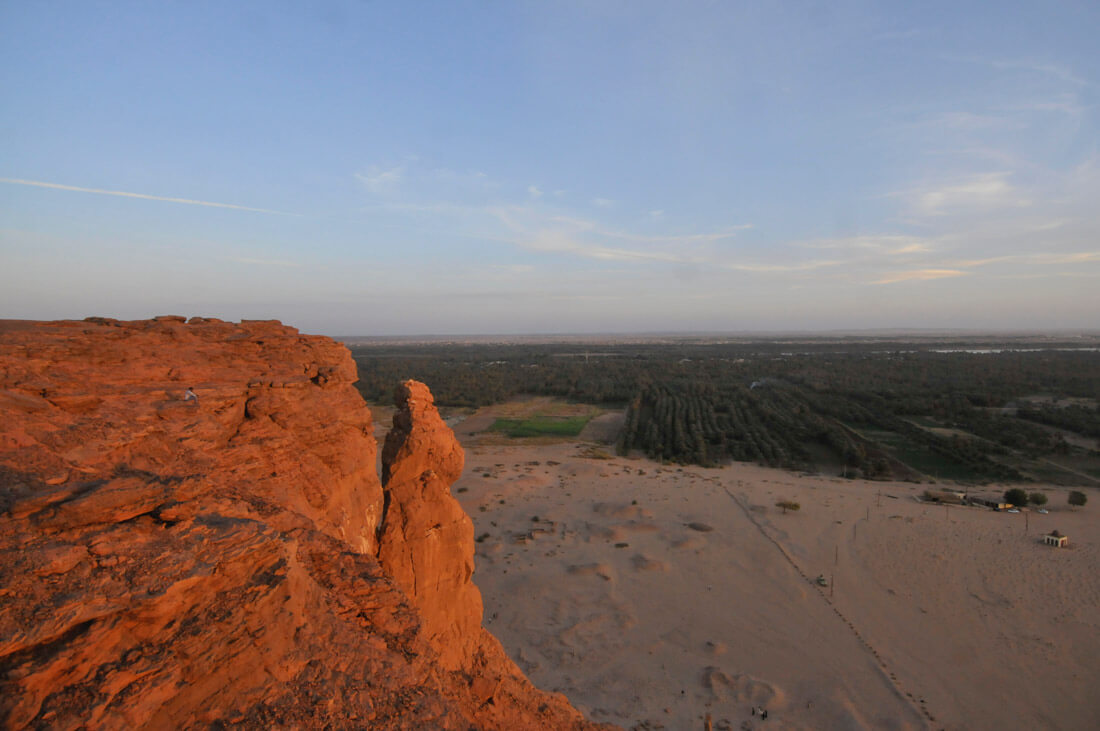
pixel 190 395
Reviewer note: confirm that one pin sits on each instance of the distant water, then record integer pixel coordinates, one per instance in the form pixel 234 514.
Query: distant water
pixel 987 351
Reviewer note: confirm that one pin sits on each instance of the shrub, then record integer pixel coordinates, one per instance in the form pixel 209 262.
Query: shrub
pixel 1077 499
pixel 1037 498
pixel 1016 497
pixel 787 505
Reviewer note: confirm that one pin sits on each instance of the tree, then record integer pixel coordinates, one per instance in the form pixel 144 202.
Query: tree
pixel 1016 497
pixel 1037 498
pixel 1077 499
pixel 790 505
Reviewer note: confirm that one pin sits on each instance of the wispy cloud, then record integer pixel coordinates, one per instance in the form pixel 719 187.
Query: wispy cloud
pixel 533 221
pixel 1050 70
pixel 726 233
pixel 1067 104
pixel 980 191
pixel 1080 257
pixel 919 274
pixel 969 121
pixel 536 229
pixel 378 180
pixel 888 244
pixel 469 176
pixel 142 196
pixel 972 263
pixel 791 267
pixel 1062 73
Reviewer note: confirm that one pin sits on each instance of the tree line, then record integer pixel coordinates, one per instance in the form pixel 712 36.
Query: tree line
pixel 868 408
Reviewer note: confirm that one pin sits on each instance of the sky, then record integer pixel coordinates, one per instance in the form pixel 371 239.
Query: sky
pixel 386 168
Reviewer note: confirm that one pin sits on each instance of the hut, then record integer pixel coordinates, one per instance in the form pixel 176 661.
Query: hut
pixel 990 501
pixel 951 497
pixel 1056 539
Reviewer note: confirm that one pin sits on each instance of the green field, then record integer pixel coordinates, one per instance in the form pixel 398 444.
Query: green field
pixel 541 426
pixel 920 457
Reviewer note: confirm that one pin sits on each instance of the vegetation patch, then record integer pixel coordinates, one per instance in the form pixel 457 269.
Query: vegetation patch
pixel 922 457
pixel 541 426
pixel 967 409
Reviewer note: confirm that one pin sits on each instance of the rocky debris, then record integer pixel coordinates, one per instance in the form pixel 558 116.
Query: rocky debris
pixel 181 564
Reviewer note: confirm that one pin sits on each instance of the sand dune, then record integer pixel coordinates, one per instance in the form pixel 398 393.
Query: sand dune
pixel 653 595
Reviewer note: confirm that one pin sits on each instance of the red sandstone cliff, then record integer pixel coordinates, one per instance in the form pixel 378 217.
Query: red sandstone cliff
pixel 173 564
pixel 427 540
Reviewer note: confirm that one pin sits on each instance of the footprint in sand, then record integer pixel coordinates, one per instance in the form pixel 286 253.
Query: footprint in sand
pixel 741 688
pixel 687 544
pixel 592 569
pixel 635 526
pixel 645 563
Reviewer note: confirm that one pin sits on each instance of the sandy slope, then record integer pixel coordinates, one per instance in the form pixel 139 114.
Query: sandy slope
pixel 653 595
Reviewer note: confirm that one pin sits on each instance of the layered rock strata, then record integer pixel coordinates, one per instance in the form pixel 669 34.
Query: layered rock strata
pixel 168 562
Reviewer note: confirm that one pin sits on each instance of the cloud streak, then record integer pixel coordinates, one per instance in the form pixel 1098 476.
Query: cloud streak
pixel 142 196
pixel 979 192
pixel 920 275
pixel 377 179
pixel 887 244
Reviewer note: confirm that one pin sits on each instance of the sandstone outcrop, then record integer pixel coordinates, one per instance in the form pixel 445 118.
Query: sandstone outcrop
pixel 171 563
pixel 427 540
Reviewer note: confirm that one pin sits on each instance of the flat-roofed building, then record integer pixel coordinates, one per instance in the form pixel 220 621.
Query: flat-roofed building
pixel 1056 539
pixel 997 502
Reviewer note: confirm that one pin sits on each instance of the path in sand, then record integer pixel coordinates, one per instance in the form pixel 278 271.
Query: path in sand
pixel 890 676
pixel 650 598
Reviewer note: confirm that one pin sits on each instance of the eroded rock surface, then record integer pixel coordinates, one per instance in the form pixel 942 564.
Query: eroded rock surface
pixel 427 540
pixel 179 564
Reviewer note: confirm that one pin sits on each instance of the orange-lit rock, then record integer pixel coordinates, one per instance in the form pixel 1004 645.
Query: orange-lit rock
pixel 427 540
pixel 172 564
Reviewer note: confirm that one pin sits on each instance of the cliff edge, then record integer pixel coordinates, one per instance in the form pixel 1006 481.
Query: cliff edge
pixel 229 556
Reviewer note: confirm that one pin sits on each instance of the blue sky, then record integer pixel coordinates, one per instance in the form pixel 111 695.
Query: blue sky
pixel 550 167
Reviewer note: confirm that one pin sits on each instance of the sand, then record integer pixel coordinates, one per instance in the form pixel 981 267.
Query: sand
pixel 653 595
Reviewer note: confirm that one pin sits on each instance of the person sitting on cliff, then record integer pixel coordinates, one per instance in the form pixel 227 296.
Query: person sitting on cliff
pixel 190 395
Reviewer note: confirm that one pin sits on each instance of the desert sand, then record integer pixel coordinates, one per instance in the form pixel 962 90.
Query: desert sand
pixel 652 595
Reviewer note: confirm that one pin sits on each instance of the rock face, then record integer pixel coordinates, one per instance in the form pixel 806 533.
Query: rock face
pixel 171 563
pixel 427 540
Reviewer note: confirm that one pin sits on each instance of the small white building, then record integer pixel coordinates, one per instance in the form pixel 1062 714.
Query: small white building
pixel 1056 539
